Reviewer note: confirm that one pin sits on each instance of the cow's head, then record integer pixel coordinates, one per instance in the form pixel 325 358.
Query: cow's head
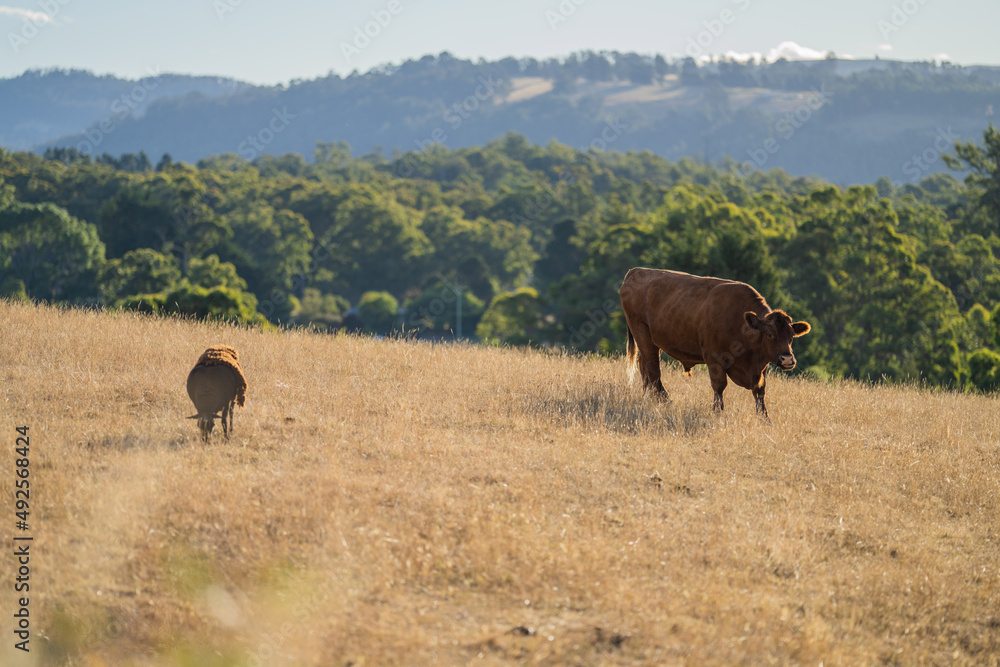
pixel 773 334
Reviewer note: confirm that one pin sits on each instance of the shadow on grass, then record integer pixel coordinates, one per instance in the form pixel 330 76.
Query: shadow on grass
pixel 619 411
pixel 131 441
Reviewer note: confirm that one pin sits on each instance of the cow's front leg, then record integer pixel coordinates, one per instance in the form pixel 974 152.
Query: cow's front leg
pixel 758 395
pixel 717 374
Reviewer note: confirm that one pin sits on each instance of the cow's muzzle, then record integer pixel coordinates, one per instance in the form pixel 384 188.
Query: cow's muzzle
pixel 786 361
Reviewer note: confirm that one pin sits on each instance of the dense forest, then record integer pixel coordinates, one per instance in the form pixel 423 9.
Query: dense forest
pixel 529 243
pixel 845 121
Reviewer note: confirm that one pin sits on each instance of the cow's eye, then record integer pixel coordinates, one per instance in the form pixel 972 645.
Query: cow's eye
pixel 770 335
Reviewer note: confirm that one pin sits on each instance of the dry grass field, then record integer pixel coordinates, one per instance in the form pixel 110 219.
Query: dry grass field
pixel 397 503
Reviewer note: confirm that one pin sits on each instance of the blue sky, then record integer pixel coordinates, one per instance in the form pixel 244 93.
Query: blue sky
pixel 272 42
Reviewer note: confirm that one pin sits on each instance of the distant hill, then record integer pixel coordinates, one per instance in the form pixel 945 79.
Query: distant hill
pixel 41 106
pixel 846 121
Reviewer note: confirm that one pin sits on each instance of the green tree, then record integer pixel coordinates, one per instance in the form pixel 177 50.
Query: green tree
pixel 983 163
pixel 436 310
pixel 516 318
pixel 379 312
pixel 6 194
pixel 210 272
pixel 165 211
pixel 698 234
pixel 135 218
pixel 483 255
pixel 13 288
pixel 138 272
pixel 270 249
pixel 885 314
pixel 984 370
pixel 54 256
pixel 563 255
pixel 374 244
pixel 321 310
pixel 978 327
pixel 217 302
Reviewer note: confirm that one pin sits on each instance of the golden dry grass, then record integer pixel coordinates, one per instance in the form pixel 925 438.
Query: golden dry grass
pixel 526 87
pixel 395 503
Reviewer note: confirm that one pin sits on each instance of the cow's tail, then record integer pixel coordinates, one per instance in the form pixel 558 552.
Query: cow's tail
pixel 631 356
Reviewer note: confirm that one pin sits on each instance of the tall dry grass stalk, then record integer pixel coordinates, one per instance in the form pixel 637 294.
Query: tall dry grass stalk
pixel 396 503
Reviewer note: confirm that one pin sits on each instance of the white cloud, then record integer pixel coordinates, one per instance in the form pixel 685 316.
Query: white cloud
pixel 884 47
pixel 941 57
pixel 733 55
pixel 30 14
pixel 787 50
pixel 794 51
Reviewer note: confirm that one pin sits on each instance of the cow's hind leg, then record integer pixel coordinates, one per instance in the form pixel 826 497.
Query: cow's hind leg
pixel 227 412
pixel 647 357
pixel 717 374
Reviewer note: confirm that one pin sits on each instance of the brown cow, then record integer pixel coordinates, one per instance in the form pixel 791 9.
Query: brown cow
pixel 724 324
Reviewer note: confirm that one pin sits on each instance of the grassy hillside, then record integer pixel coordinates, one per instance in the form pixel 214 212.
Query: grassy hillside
pixel 385 502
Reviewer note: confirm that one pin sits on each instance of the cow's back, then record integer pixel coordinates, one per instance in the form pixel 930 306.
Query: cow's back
pixel 688 316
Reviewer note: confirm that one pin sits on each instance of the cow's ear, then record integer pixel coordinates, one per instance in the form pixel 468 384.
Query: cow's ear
pixel 800 329
pixel 752 320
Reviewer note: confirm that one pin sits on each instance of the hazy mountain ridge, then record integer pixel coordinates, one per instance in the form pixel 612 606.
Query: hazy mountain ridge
pixel 844 120
pixel 41 106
